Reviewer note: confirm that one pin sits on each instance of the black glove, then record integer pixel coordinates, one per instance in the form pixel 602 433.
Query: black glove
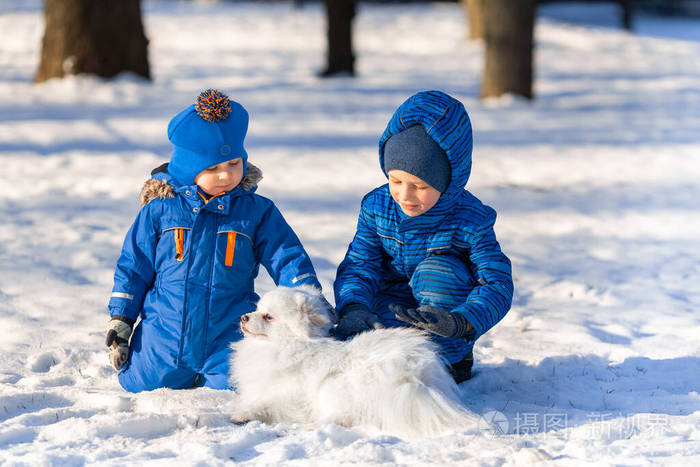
pixel 434 319
pixel 118 333
pixel 354 319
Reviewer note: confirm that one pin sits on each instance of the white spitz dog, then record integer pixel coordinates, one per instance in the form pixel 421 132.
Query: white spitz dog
pixel 288 369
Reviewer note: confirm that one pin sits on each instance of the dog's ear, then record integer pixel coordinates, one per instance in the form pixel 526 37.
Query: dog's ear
pixel 305 304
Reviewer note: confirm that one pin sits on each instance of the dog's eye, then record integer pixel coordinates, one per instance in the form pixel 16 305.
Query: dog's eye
pixel 267 317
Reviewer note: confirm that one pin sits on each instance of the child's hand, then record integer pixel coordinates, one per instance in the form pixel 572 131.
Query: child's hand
pixel 433 319
pixel 118 333
pixel 355 318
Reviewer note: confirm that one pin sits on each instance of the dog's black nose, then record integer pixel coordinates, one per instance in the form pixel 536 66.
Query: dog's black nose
pixel 245 318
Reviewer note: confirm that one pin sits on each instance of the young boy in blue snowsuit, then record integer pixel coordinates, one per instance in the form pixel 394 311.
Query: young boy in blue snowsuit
pixel 425 253
pixel 189 260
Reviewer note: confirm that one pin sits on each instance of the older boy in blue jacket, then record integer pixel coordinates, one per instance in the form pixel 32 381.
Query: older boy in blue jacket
pixel 425 253
pixel 190 259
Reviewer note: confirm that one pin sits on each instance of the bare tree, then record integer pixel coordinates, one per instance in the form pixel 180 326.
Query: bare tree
pixel 508 35
pixel 476 23
pixel 102 37
pixel 341 59
pixel 627 7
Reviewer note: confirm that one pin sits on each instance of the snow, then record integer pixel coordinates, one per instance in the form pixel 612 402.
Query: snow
pixel 595 183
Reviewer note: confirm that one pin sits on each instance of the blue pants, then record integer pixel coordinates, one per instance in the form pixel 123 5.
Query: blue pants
pixel 152 365
pixel 133 380
pixel 439 280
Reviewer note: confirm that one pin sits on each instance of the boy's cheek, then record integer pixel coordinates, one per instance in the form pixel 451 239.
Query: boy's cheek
pixel 395 197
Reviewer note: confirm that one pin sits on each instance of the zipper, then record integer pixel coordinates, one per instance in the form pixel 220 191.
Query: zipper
pixel 179 243
pixel 230 248
pixel 179 237
pixel 205 340
pixel 231 236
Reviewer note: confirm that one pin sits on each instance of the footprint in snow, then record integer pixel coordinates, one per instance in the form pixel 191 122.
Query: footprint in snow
pixel 41 362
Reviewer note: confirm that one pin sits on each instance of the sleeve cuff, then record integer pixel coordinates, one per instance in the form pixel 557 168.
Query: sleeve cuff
pixel 471 315
pixel 123 314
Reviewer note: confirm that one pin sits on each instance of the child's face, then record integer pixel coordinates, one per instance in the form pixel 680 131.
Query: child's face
pixel 221 177
pixel 413 195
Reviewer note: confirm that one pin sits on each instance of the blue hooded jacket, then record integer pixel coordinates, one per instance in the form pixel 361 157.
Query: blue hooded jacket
pixel 389 245
pixel 187 269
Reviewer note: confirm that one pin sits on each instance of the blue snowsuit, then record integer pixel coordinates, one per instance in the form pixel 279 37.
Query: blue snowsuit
pixel 187 269
pixel 447 256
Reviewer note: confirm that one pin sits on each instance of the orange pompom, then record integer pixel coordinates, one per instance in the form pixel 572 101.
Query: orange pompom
pixel 213 105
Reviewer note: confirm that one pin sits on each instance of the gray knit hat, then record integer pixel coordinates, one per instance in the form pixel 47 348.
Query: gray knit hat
pixel 414 151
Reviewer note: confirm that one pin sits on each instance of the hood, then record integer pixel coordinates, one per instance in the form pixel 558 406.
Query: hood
pixel 163 185
pixel 446 121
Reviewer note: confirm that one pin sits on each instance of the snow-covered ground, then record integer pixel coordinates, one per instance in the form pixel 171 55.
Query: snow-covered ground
pixel 595 183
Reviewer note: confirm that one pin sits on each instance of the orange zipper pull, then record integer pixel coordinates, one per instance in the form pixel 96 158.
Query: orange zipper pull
pixel 230 248
pixel 179 237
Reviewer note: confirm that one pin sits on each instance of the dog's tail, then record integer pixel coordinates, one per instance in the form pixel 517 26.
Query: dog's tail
pixel 421 409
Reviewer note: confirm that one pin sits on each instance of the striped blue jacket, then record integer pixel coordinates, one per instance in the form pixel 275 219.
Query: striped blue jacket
pixel 388 245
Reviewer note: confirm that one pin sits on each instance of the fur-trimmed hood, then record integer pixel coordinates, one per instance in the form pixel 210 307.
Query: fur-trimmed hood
pixel 162 187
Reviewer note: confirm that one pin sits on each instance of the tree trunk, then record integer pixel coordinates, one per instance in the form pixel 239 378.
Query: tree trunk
pixel 340 14
pixel 508 34
pixel 627 6
pixel 476 22
pixel 102 37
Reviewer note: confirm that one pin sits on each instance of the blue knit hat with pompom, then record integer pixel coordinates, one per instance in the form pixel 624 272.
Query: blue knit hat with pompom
pixel 205 134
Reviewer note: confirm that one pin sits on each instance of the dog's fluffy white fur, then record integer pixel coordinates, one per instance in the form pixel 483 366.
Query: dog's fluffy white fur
pixel 287 369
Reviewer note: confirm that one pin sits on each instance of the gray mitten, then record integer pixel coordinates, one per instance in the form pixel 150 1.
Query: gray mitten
pixel 433 319
pixel 118 333
pixel 354 319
